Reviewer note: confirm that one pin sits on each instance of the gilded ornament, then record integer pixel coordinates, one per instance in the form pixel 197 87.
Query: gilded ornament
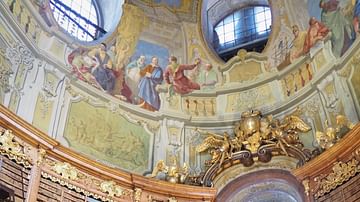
pixel 329 137
pixel 173 172
pixel 41 155
pixel 137 195
pixel 306 187
pixel 251 135
pixel 13 149
pixel 65 170
pixel 341 172
pixel 172 199
pixel 111 188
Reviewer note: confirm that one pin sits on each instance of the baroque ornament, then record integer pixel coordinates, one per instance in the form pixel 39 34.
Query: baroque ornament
pixel 65 170
pixel 331 135
pixel 252 133
pixel 341 172
pixel 174 173
pixel 111 188
pixel 9 147
pixel 255 138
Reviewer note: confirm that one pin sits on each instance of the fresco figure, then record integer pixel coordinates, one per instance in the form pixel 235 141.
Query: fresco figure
pixel 103 70
pixel 356 19
pixel 298 43
pixel 133 77
pixel 82 65
pixel 151 77
pixel 175 77
pixel 208 77
pixel 341 28
pixel 317 31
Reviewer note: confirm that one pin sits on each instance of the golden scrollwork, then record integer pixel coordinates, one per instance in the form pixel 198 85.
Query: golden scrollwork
pixel 306 186
pixel 341 172
pixel 111 188
pixel 41 155
pixel 172 199
pixel 253 132
pixel 65 170
pixel 11 148
pixel 137 194
pixel 173 172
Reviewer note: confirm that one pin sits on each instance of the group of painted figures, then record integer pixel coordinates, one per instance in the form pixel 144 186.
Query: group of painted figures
pixel 341 20
pixel 137 82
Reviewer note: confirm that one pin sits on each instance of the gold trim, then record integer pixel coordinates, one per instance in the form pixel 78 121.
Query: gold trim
pixel 341 172
pixel 12 149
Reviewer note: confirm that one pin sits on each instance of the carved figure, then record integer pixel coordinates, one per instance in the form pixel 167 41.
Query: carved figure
pixel 328 138
pixel 174 173
pixel 251 133
pixel 219 147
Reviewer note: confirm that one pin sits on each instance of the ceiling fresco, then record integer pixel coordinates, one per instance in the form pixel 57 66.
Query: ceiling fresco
pixel 175 5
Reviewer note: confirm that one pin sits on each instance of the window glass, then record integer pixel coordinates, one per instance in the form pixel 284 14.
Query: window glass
pixel 242 28
pixel 78 17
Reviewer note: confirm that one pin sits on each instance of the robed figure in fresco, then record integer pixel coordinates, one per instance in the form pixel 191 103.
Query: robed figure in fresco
pixel 103 72
pixel 342 32
pixel 133 76
pixel 151 76
pixel 175 76
pixel 317 31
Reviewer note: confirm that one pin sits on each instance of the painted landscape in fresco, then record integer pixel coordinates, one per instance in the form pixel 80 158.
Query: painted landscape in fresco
pixel 125 147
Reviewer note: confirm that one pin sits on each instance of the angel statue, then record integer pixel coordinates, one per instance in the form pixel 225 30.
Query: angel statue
pixel 174 173
pixel 286 133
pixel 329 137
pixel 219 147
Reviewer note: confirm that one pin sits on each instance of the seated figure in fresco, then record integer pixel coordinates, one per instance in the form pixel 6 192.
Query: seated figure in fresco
pixel 298 43
pixel 132 72
pixel 207 77
pixel 317 31
pixel 151 77
pixel 81 65
pixel 103 72
pixel 175 77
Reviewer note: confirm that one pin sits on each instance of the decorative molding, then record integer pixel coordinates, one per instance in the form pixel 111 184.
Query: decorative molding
pixel 70 177
pixel 11 148
pixel 341 172
pixel 137 194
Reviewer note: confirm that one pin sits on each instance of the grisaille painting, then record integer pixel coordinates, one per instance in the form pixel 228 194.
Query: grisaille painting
pixel 107 136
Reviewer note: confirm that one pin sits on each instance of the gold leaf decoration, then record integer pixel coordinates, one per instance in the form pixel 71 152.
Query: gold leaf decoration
pixel 9 147
pixel 341 172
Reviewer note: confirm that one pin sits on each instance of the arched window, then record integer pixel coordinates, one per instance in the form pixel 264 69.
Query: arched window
pixel 247 28
pixel 78 17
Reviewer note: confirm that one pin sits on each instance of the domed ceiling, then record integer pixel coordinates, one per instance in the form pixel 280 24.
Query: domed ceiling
pixel 129 104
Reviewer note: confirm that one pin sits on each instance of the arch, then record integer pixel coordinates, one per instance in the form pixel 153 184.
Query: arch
pixel 268 183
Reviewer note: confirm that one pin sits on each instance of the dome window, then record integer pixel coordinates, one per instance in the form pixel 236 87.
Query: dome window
pixel 78 17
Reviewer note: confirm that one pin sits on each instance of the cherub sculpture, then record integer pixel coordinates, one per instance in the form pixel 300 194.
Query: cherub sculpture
pixel 219 147
pixel 174 173
pixel 329 137
pixel 286 133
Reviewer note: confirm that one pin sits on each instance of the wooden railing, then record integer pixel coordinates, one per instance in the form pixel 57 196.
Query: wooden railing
pixel 333 167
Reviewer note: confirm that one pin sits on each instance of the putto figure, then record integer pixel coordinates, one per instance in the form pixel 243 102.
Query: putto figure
pixel 175 77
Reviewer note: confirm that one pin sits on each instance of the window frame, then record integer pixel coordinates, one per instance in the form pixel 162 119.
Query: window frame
pixel 237 30
pixel 67 12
